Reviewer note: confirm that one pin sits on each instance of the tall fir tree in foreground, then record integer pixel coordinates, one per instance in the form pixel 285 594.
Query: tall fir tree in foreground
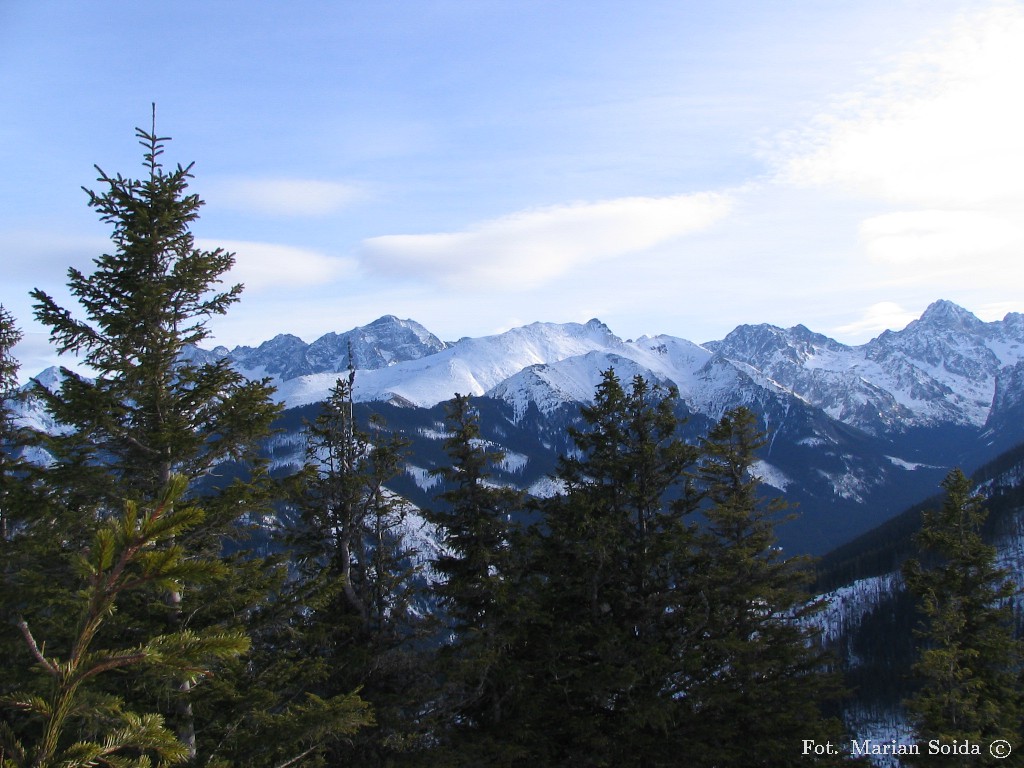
pixel 970 663
pixel 150 414
pixel 762 684
pixel 614 562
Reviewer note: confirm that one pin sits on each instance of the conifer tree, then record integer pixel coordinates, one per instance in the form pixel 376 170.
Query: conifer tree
pixel 153 412
pixel 64 703
pixel 476 592
pixel 615 559
pixel 761 684
pixel 150 412
pixel 9 336
pixel 351 522
pixel 358 576
pixel 970 661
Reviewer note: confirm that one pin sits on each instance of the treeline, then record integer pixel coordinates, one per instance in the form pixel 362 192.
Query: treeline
pixel 142 625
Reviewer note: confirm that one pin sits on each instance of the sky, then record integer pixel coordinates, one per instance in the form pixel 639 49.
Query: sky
pixel 667 166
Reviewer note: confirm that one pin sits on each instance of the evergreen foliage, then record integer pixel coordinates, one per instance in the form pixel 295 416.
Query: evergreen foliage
pixel 476 593
pixel 151 413
pixel 615 563
pixel 38 544
pixel 358 579
pixel 970 663
pixel 9 336
pixel 52 716
pixel 762 680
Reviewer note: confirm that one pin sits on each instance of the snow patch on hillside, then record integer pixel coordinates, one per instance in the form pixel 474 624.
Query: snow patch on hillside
pixel 770 475
pixel 910 465
pixel 844 608
pixel 546 488
pixel 422 477
pixel 513 463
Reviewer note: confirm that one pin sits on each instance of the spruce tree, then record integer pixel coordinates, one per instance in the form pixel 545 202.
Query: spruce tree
pixel 62 718
pixel 357 577
pixel 152 412
pixel 614 563
pixel 970 660
pixel 761 685
pixel 476 594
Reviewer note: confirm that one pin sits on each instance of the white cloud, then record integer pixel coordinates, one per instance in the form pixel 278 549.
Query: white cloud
pixel 940 237
pixel 998 310
pixel 877 318
pixel 934 149
pixel 945 128
pixel 282 196
pixel 262 266
pixel 529 248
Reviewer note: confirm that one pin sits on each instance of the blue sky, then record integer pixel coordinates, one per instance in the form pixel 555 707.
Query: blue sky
pixel 667 166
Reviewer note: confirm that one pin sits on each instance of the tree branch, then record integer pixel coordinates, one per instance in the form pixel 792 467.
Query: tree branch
pixel 296 759
pixel 34 647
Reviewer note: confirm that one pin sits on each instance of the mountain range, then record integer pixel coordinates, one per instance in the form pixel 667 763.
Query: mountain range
pixel 856 433
pixel 859 437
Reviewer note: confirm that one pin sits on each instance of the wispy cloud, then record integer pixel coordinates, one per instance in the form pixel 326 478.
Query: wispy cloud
pixel 283 196
pixel 936 145
pixel 943 128
pixel 877 318
pixel 529 248
pixel 939 237
pixel 263 266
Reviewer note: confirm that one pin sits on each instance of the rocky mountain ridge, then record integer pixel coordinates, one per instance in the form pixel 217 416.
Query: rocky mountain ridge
pixel 945 368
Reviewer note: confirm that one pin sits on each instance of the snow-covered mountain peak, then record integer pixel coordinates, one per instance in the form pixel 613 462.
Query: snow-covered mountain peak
pixel 386 341
pixel 469 366
pixel 762 344
pixel 946 314
pixel 940 369
pixel 51 378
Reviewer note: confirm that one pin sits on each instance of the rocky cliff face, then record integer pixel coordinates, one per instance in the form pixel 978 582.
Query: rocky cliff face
pixel 940 369
pixel 383 342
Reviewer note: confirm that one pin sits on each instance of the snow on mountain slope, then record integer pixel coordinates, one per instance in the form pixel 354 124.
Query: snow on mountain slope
pixel 572 380
pixel 947 368
pixel 941 368
pixel 707 383
pixel 844 608
pixel 470 366
pixel 386 341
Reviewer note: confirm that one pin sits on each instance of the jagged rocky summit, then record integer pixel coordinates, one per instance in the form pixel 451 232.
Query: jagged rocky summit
pixel 948 367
